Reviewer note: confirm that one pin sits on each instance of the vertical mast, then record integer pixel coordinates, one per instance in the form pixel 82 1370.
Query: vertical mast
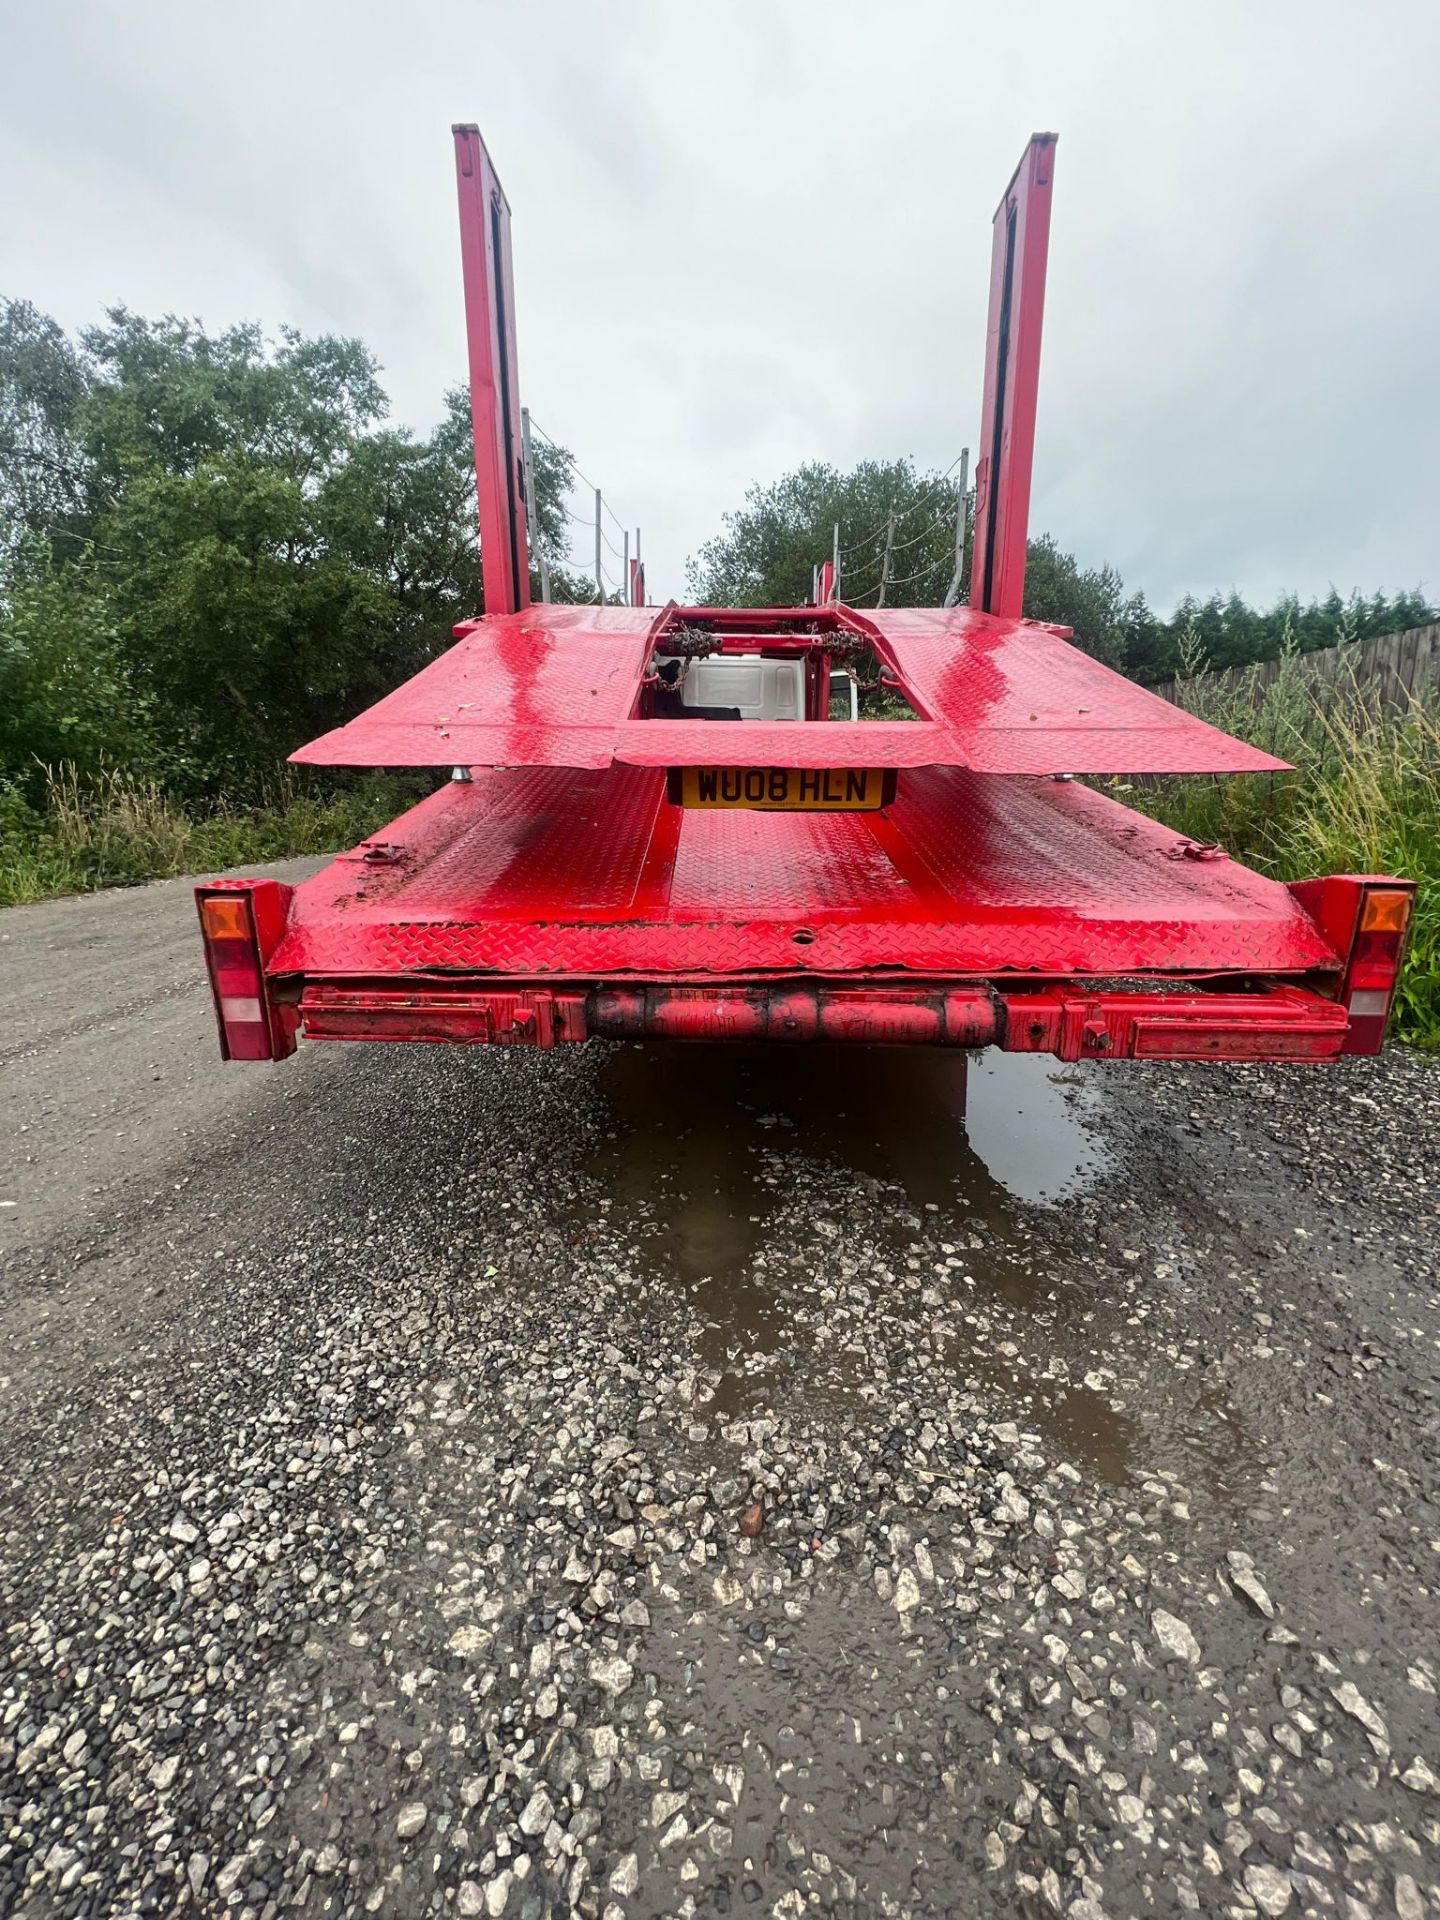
pixel 494 382
pixel 1012 380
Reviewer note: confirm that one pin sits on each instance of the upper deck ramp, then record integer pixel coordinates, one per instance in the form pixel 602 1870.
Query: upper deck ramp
pixel 561 686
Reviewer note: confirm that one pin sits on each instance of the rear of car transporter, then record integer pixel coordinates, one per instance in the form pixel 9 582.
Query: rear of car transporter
pixel 604 860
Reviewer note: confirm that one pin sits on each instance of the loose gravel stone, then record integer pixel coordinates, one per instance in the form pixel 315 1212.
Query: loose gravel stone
pixel 539 1812
pixel 1175 1638
pixel 1269 1888
pixel 612 1675
pixel 625 1877
pixel 1349 1696
pixel 1245 1580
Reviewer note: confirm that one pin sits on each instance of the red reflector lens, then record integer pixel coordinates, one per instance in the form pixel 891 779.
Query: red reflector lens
pixel 1375 960
pixel 225 918
pixel 1366 1033
pixel 1377 946
pixel 248 1040
pixel 234 960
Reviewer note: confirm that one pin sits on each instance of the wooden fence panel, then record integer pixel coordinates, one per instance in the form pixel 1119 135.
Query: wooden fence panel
pixel 1395 668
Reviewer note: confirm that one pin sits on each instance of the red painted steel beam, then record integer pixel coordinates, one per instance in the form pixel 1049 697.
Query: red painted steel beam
pixel 592 874
pixel 1012 384
pixel 454 1016
pixel 1071 1021
pixel 558 686
pixel 494 381
pixel 909 1016
pixel 1074 1023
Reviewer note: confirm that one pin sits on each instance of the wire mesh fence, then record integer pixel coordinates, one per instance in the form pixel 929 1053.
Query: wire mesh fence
pixel 607 567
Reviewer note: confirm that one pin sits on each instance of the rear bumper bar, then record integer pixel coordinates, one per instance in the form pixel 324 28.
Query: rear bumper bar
pixel 1302 1014
pixel 1071 1022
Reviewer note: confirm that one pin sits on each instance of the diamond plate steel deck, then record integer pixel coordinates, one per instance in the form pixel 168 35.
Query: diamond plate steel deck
pixel 552 872
pixel 558 686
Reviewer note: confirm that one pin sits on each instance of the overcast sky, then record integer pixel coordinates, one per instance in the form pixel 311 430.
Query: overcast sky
pixel 754 234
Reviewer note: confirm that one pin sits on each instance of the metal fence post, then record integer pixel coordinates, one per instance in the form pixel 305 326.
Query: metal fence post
pixel 531 519
pixel 885 563
pixel 952 594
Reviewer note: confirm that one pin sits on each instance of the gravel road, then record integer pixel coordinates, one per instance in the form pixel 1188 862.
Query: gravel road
pixel 664 1483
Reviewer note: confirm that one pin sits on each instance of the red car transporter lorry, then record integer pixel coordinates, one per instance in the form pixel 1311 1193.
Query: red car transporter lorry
pixel 606 860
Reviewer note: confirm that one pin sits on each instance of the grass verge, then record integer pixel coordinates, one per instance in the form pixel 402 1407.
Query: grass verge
pixel 117 830
pixel 1364 798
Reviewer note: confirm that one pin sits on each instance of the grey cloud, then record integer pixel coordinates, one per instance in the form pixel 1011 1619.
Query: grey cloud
pixel 753 235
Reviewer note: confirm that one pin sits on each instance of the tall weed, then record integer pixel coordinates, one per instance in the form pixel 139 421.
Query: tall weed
pixel 115 828
pixel 1364 797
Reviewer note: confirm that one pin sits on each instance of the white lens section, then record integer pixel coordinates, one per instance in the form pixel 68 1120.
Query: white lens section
pixel 241 1010
pixel 1368 1000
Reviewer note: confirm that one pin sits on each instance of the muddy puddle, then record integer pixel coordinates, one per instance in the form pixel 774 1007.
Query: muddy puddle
pixel 708 1144
pixel 710 1148
pixel 951 1132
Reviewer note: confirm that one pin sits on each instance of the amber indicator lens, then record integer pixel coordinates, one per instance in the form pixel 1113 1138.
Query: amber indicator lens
pixel 225 919
pixel 1386 910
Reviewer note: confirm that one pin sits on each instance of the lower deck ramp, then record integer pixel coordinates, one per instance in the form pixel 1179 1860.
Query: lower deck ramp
pixel 569 873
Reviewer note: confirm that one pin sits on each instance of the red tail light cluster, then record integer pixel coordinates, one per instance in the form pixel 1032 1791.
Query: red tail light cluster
pixel 1364 916
pixel 1374 969
pixel 241 922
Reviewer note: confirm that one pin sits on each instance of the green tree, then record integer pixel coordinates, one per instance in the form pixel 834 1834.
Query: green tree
pixel 1228 632
pixel 66 689
pixel 770 546
pixel 43 383
pixel 167 395
pixel 256 553
pixel 1091 601
pixel 767 550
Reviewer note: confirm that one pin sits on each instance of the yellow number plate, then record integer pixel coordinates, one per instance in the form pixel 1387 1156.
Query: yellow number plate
pixel 784 789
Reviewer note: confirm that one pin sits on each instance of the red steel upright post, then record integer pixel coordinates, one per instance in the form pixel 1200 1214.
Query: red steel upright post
pixel 494 382
pixel 1012 380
